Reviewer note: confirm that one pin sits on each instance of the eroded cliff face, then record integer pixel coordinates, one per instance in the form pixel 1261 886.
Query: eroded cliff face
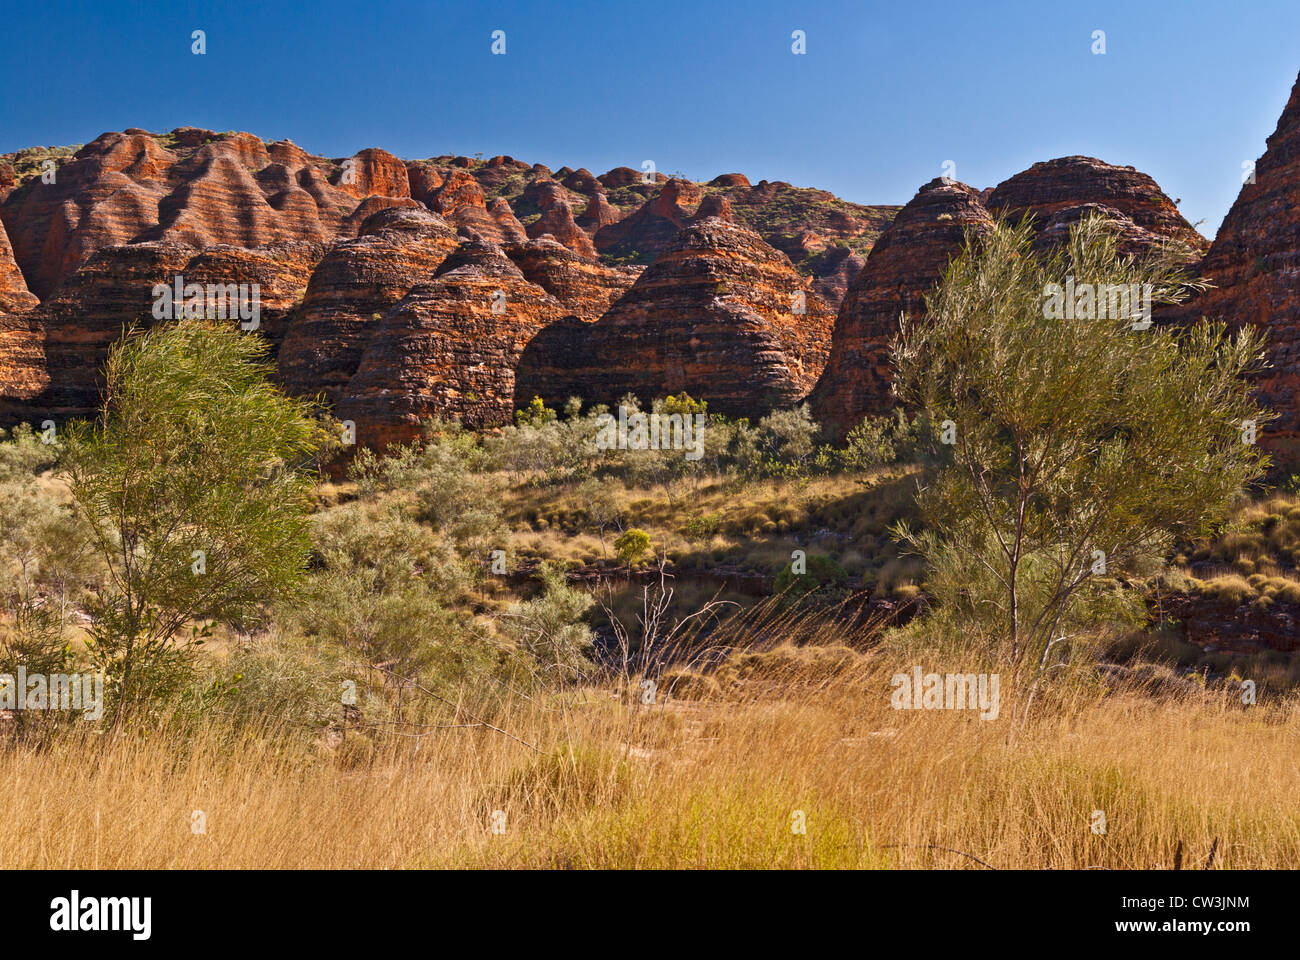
pixel 720 315
pixel 449 348
pixel 584 288
pixel 1254 264
pixel 190 186
pixel 906 262
pixel 109 295
pixel 1058 190
pixel 630 218
pixel 14 295
pixel 355 283
pixel 461 201
pixel 372 273
pixel 23 370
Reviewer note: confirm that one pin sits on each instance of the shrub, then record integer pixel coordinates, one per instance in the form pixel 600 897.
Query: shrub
pixel 632 545
pixel 886 439
pixel 196 485
pixel 551 628
pixel 385 592
pixel 823 576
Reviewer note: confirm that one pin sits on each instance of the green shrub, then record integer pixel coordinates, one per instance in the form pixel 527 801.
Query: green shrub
pixel 822 575
pixel 632 545
pixel 552 629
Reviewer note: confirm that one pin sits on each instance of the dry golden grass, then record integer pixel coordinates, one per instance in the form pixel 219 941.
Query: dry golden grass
pixel 689 783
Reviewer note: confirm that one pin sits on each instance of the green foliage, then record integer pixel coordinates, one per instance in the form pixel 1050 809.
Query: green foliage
pixel 1072 436
pixel 886 439
pixel 385 590
pixel 286 676
pixel 441 483
pixel 704 527
pixel 535 414
pixel 632 545
pixel 823 576
pixel 44 558
pixel 551 628
pixel 543 447
pixel 683 404
pixel 195 485
pixel 25 455
pixel 600 505
pixel 789 439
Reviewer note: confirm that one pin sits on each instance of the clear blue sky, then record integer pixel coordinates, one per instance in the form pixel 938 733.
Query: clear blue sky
pixel 887 92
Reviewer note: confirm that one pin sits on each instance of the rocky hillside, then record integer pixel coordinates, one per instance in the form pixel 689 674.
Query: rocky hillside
pixel 720 314
pixel 464 287
pixel 1254 264
pixel 399 289
pixel 908 259
pixel 929 231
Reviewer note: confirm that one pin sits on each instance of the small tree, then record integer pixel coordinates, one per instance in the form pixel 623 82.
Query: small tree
pixel 552 627
pixel 195 484
pixel 600 505
pixel 632 545
pixel 1075 447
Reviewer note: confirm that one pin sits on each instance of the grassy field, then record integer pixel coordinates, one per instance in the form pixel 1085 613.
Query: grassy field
pixel 774 742
pixel 783 738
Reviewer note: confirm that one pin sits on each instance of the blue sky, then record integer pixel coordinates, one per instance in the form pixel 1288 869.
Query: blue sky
pixel 886 93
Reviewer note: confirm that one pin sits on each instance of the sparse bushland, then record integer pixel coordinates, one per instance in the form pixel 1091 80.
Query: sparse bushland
pixel 604 701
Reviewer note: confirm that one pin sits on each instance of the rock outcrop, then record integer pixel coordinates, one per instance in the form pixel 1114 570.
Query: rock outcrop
pixel 585 288
pixel 715 315
pixel 110 294
pixel 903 267
pixel 649 231
pixel 834 271
pixel 910 257
pixel 598 213
pixel 1058 190
pixel 14 295
pixel 448 348
pixel 114 292
pixel 461 201
pixel 332 243
pixel 1254 264
pixel 557 220
pixel 23 373
pixel 191 186
pixel 1226 627
pixel 353 286
pixel 370 173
